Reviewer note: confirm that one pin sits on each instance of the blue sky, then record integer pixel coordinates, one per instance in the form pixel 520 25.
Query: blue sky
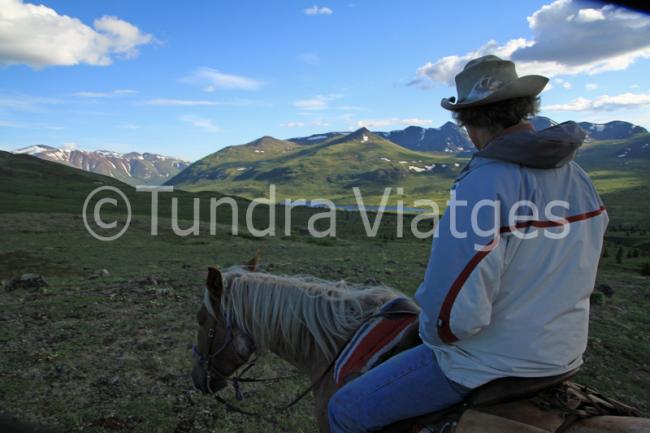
pixel 186 79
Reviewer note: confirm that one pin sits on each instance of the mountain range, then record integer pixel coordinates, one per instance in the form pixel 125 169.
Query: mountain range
pixel 133 168
pixel 453 139
pixel 323 168
pixel 420 160
pixel 326 164
pixel 448 138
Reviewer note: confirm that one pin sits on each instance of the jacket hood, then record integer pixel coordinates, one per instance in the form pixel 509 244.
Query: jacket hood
pixel 549 148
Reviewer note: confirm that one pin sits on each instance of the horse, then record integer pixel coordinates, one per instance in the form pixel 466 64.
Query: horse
pixel 306 321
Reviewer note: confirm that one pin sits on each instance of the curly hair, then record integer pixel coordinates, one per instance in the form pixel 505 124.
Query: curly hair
pixel 502 114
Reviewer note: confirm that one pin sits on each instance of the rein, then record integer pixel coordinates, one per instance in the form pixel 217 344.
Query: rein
pixel 277 409
pixel 239 378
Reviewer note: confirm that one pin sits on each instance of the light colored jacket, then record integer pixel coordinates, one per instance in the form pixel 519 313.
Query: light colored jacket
pixel 494 304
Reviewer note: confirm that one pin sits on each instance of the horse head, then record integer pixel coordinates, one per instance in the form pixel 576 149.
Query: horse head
pixel 221 347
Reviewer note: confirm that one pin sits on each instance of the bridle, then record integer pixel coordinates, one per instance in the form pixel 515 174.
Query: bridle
pixel 205 360
pixel 211 371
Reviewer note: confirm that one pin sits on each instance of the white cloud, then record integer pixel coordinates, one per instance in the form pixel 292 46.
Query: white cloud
pixel 201 123
pixel 587 16
pixel 178 102
pixel 604 103
pixel 213 79
pixel 591 86
pixel 320 123
pixel 38 36
pixel 567 40
pixel 236 102
pixel 318 10
pixel 69 146
pixel 563 83
pixel 578 104
pixel 445 69
pixel 292 125
pixel 116 92
pixel 10 101
pixel 393 121
pixel 318 102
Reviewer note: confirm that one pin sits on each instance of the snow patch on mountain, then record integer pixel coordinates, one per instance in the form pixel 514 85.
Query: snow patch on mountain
pixel 31 150
pixel 134 167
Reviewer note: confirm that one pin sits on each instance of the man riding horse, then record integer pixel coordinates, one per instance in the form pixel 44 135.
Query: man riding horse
pixel 506 291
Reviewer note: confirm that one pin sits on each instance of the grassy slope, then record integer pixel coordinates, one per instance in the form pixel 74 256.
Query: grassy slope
pixel 624 183
pixel 112 354
pixel 330 169
pixel 325 170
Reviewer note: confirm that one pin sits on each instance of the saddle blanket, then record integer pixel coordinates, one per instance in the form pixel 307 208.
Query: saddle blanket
pixel 375 338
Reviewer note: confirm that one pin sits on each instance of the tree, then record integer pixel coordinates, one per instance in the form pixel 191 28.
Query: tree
pixel 605 253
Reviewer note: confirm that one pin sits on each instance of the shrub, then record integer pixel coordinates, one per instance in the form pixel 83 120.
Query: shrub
pixel 597 298
pixel 645 269
pixel 619 255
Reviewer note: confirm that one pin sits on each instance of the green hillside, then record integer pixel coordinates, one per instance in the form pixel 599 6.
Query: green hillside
pixel 620 172
pixel 331 169
pixel 32 184
pixel 325 170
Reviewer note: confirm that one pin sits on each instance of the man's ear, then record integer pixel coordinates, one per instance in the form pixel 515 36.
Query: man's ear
pixel 214 283
pixel 252 264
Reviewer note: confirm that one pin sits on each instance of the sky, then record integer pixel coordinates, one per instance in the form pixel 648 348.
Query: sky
pixel 186 79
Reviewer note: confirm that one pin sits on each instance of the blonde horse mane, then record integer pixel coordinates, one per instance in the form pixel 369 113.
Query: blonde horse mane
pixel 299 313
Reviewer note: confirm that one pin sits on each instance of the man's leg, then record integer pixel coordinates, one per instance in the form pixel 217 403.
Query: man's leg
pixel 408 385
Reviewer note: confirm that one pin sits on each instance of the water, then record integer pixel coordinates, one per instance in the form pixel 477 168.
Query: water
pixel 355 208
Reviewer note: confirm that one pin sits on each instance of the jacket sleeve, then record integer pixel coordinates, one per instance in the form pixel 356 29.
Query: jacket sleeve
pixel 467 260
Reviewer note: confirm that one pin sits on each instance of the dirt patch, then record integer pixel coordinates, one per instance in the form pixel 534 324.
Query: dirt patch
pixel 19 262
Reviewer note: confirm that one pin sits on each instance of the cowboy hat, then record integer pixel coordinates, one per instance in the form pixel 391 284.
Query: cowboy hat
pixel 490 79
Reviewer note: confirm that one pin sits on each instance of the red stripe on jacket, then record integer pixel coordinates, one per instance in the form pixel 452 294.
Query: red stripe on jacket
pixel 444 318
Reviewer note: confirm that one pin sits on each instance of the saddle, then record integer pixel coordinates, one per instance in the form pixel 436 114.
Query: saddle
pixel 500 406
pixel 519 405
pixel 507 405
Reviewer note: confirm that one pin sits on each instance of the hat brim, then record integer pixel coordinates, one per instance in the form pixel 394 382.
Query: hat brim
pixel 529 85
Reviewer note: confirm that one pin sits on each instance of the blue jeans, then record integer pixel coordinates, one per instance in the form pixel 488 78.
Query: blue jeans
pixel 409 384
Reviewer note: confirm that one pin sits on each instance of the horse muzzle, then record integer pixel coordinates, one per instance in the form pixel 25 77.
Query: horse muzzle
pixel 201 379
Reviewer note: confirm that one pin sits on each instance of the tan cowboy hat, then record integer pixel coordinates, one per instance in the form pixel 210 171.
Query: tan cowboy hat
pixel 490 79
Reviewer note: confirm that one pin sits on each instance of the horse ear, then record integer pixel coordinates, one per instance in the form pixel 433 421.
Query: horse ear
pixel 252 264
pixel 214 283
